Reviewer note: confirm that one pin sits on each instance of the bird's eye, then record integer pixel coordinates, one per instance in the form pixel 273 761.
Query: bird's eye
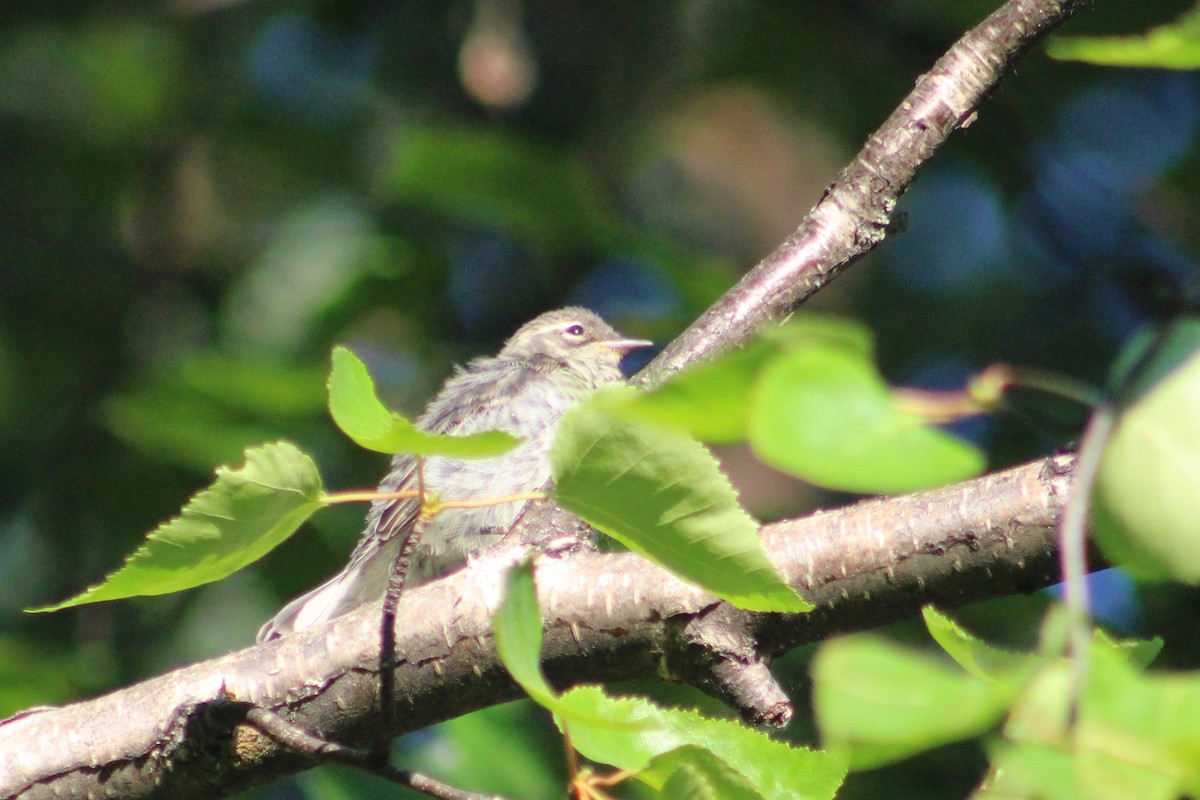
pixel 574 331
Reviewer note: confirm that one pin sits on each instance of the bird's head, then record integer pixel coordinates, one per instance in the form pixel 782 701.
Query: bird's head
pixel 573 336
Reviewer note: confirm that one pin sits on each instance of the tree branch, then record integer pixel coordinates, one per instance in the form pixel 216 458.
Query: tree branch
pixel 608 617
pixel 855 213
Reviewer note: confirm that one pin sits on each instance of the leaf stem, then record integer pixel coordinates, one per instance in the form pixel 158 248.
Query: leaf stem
pixel 1072 547
pixel 367 496
pixel 984 391
pixel 488 501
pixel 998 378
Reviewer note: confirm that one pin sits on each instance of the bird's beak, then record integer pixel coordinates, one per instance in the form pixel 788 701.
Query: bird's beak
pixel 624 346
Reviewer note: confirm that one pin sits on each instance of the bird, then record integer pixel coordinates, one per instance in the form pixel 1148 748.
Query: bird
pixel 551 363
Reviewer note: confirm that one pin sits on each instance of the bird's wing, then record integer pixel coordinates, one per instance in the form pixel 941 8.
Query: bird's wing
pixel 473 400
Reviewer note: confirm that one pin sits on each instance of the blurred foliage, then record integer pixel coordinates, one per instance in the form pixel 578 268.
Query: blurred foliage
pixel 1175 45
pixel 201 198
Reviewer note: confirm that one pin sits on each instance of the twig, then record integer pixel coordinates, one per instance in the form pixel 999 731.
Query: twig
pixel 397 579
pixel 296 738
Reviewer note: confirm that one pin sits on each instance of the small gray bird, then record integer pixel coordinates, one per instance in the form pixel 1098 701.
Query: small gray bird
pixel 547 366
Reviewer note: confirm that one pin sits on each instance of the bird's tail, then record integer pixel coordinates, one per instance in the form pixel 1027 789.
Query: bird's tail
pixel 362 581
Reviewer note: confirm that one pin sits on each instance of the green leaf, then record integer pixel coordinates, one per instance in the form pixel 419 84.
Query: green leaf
pixel 1152 354
pixel 1139 735
pixel 1134 734
pixel 709 402
pixel 517 626
pixel 1030 770
pixel 663 496
pixel 234 522
pixel 971 653
pixel 712 401
pixel 539 196
pixel 823 331
pixel 357 411
pixel 1173 46
pixel 822 413
pixel 1147 494
pixel 774 770
pixel 693 773
pixel 882 702
pixel 689 783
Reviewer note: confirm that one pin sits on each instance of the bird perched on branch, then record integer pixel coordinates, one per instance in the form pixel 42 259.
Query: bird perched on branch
pixel 549 364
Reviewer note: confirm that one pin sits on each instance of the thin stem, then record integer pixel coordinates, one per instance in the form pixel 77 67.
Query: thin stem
pixel 572 758
pixel 489 501
pixel 937 406
pixel 612 778
pixel 397 579
pixel 1006 376
pixel 371 496
pixel 1072 536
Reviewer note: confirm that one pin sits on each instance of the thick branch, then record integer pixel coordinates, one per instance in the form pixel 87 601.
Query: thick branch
pixel 608 617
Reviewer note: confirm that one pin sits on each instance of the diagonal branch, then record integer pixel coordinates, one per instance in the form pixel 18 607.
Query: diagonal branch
pixel 855 213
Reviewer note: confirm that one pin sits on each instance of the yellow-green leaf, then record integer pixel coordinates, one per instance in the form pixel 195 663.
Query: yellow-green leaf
pixel 662 495
pixel 357 411
pixel 240 518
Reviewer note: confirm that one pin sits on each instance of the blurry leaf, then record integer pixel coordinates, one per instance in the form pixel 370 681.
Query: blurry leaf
pixel 508 749
pixel 1139 735
pixel 1055 633
pixel 822 413
pixel 357 411
pixel 209 407
pixel 774 769
pixel 695 773
pixel 825 332
pixel 181 428
pixel 32 674
pixel 317 253
pixel 112 81
pixel 536 195
pixel 517 626
pixel 1135 735
pixel 1029 770
pixel 709 401
pixel 259 385
pixel 131 75
pixel 1146 501
pixel 1173 46
pixel 1140 653
pixel 662 495
pixel 1151 355
pixel 234 522
pixel 971 653
pixel 882 702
